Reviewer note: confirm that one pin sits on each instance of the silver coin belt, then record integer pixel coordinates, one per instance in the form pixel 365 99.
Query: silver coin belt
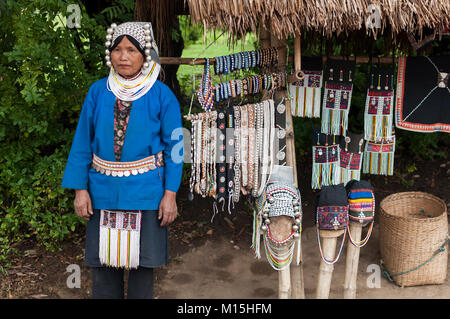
pixel 125 169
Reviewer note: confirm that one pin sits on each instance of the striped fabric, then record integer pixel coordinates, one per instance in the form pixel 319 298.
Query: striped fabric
pixel 120 238
pixel 361 205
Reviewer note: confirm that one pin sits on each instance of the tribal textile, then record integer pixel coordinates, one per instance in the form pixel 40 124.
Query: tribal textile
pixel 306 93
pixel 120 238
pixel 337 96
pixel 379 157
pixel 423 94
pixel 326 158
pixel 379 106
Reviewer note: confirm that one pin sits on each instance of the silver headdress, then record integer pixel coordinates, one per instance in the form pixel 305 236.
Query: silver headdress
pixel 142 32
pixel 141 35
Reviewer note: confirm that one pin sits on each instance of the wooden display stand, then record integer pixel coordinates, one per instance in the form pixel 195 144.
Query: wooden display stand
pixel 352 260
pixel 290 279
pixel 326 270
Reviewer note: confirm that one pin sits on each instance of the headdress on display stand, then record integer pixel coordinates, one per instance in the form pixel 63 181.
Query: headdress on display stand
pixel 280 197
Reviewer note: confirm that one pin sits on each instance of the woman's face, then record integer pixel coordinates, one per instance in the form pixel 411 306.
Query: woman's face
pixel 126 59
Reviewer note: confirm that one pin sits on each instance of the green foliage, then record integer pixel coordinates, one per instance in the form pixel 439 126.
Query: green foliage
pixel 46 69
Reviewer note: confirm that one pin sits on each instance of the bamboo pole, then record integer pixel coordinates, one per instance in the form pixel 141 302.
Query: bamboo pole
pixel 352 260
pixel 298 73
pixel 329 240
pixel 297 282
pixel 201 61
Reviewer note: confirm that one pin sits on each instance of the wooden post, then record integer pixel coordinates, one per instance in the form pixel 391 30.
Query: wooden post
pixel 279 225
pixel 326 270
pixel 352 260
pixel 295 274
pixel 297 283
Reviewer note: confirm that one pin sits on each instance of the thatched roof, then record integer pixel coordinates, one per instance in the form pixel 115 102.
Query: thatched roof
pixel 290 17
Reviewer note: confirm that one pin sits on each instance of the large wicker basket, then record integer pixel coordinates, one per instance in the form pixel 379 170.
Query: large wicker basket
pixel 413 238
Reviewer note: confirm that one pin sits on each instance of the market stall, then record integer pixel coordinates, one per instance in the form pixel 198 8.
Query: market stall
pixel 246 151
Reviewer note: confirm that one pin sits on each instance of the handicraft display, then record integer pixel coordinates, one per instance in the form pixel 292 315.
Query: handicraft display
pixel 326 158
pixel 306 93
pixel 379 107
pixel 332 214
pixel 351 155
pixel 337 97
pixel 278 199
pixel 248 86
pixel 280 129
pixel 379 157
pixel 243 60
pixel 119 238
pixel 361 207
pixel 423 94
pixel 232 151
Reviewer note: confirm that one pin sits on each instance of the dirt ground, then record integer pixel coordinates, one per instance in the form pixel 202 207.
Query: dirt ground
pixel 213 259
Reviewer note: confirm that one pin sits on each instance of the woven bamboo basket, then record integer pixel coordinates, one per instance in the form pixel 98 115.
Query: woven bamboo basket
pixel 413 238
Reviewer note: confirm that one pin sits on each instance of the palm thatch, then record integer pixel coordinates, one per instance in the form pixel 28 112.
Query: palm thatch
pixel 328 17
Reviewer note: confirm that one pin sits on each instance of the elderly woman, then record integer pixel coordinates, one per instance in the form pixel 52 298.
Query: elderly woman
pixel 125 165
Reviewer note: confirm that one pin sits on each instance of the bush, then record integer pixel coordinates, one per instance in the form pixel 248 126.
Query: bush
pixel 46 69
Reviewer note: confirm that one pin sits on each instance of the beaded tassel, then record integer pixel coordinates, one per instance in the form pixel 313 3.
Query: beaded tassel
pixel 379 157
pixel 306 95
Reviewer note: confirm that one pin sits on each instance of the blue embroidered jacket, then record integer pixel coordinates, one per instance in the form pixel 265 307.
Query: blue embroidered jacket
pixel 154 125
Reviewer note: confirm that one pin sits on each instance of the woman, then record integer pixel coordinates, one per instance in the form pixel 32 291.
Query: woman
pixel 125 165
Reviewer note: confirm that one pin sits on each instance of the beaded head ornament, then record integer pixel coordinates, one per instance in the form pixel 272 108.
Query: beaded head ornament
pixel 140 32
pixel 141 35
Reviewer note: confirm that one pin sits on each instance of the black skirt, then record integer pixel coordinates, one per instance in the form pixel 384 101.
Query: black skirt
pixel 154 241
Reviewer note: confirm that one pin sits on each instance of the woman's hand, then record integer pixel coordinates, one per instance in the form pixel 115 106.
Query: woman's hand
pixel 82 204
pixel 168 208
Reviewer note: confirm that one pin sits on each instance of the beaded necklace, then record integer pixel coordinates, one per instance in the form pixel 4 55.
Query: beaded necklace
pixel 267 144
pixel 204 155
pixel 330 261
pixel 132 89
pixel 244 145
pixel 259 113
pixel 237 153
pixel 213 144
pixel 198 152
pixel 193 159
pixel 206 91
pixel 251 146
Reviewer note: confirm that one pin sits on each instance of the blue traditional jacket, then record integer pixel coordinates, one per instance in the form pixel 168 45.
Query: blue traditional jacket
pixel 154 125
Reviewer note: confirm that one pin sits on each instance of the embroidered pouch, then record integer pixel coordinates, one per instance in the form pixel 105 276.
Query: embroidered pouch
pixel 306 93
pixel 119 242
pixel 378 114
pixel 337 96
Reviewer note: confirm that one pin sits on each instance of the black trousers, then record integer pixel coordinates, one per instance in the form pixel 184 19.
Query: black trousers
pixel 108 283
